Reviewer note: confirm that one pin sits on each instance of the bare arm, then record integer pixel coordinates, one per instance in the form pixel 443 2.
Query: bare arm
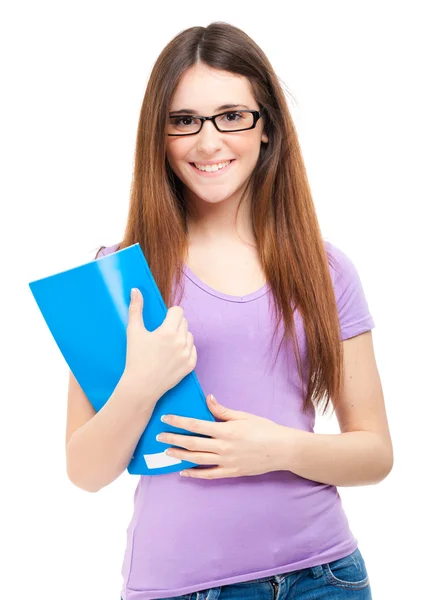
pixel 341 459
pixel 362 453
pixel 100 445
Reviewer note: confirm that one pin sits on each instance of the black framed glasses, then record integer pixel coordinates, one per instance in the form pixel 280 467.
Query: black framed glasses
pixel 225 122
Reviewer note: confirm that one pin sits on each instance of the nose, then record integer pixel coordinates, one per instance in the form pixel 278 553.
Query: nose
pixel 209 139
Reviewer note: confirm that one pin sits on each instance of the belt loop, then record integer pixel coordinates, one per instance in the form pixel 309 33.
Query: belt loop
pixel 317 571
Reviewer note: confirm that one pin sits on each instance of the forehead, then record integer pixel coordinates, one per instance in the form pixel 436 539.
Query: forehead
pixel 203 89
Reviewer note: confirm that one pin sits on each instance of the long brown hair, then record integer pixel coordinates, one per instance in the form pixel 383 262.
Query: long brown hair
pixel 289 241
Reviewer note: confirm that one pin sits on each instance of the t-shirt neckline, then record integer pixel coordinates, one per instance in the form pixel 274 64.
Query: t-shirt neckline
pixel 246 298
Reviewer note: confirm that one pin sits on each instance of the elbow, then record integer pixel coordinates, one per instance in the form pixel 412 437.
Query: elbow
pixel 388 465
pixel 386 462
pixel 380 459
pixel 78 479
pixel 86 487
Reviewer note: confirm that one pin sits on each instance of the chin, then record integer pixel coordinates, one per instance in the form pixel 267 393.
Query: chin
pixel 213 198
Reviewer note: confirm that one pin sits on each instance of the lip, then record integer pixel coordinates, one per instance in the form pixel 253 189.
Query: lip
pixel 215 173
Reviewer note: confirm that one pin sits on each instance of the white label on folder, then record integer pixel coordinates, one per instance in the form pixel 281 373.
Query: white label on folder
pixel 159 460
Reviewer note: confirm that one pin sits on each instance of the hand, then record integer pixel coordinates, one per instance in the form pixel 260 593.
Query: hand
pixel 156 361
pixel 243 444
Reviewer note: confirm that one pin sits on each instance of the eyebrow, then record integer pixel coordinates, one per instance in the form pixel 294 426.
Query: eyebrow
pixel 190 111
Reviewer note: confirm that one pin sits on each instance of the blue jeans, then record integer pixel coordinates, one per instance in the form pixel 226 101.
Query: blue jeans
pixel 345 578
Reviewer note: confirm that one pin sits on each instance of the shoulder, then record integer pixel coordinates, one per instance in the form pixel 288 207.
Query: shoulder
pixel 352 303
pixel 104 250
pixel 340 263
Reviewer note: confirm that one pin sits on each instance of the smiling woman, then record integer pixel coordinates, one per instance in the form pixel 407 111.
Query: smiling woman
pixel 273 319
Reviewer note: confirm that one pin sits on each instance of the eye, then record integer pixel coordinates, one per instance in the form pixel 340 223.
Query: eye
pixel 182 120
pixel 233 116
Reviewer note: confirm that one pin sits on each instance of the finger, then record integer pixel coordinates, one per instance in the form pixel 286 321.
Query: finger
pixel 190 342
pixel 183 329
pixel 190 442
pixel 209 428
pixel 214 473
pixel 135 308
pixel 173 318
pixel 199 458
pixel 194 355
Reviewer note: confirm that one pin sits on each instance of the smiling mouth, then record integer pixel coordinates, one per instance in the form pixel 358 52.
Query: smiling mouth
pixel 211 170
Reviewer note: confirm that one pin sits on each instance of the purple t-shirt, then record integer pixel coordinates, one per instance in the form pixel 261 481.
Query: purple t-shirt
pixel 191 534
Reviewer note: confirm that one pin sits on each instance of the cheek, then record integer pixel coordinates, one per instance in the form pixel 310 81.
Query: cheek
pixel 173 164
pixel 171 155
pixel 177 151
pixel 176 158
pixel 247 148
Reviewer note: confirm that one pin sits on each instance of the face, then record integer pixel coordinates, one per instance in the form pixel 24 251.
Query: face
pixel 204 90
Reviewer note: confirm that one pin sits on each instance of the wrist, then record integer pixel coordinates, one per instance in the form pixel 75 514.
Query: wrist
pixel 144 400
pixel 292 441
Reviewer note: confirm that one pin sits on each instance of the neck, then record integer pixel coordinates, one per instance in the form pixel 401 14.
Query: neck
pixel 209 223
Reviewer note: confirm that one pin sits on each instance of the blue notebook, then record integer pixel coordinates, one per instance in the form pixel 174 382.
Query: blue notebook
pixel 86 311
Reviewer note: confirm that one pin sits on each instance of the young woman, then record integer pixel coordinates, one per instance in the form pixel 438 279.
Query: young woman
pixel 273 319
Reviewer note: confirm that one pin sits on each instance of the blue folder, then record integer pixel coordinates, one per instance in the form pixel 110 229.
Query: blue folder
pixel 86 311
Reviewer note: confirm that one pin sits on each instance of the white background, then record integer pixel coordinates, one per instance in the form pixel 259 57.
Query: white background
pixel 366 83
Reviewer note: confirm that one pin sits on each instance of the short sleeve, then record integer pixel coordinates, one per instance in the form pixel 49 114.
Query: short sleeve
pixel 104 250
pixel 352 306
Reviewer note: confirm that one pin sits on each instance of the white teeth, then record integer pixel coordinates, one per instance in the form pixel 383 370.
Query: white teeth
pixel 211 168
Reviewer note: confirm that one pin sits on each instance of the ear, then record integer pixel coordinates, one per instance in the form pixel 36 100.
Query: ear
pixel 264 138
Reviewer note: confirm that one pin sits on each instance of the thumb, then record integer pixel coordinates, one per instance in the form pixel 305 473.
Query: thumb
pixel 135 308
pixel 222 412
